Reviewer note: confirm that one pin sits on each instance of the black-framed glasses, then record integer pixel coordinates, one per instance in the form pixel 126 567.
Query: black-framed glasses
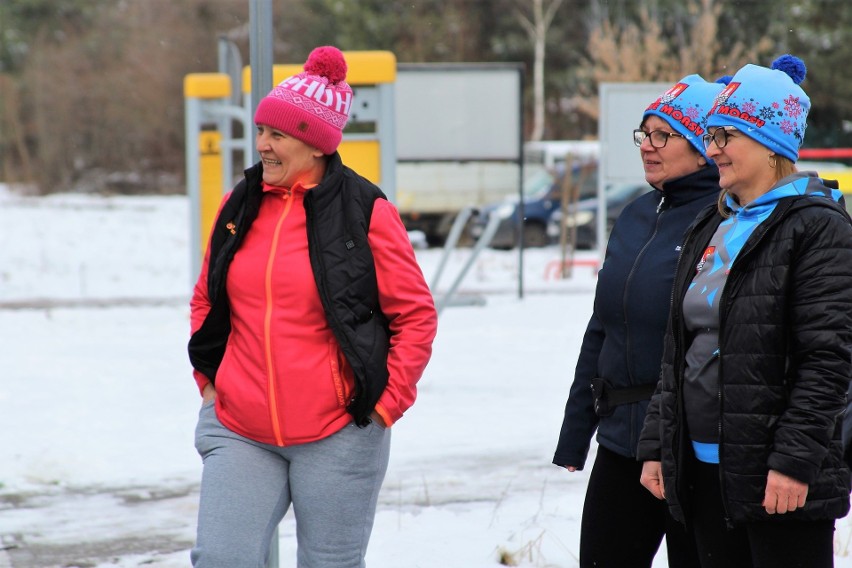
pixel 720 136
pixel 659 138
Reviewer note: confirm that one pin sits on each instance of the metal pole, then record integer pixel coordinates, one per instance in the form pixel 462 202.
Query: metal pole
pixel 450 244
pixel 192 126
pixel 386 132
pixel 248 129
pixel 521 184
pixel 260 59
pixel 260 56
pixel 484 240
pixel 224 124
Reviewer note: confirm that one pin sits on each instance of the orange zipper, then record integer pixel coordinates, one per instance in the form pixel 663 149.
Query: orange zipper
pixel 267 324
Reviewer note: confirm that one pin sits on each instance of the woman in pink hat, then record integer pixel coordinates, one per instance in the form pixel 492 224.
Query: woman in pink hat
pixel 311 325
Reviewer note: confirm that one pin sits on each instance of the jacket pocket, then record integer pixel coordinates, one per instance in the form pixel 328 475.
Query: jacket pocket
pixel 339 374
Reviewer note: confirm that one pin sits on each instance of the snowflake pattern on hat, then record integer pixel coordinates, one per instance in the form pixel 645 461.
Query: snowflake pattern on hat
pixel 767 104
pixel 684 107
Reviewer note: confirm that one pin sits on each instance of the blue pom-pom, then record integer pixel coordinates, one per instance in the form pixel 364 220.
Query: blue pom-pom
pixel 792 66
pixel 724 80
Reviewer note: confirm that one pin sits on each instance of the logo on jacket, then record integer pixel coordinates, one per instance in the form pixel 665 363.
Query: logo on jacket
pixel 704 257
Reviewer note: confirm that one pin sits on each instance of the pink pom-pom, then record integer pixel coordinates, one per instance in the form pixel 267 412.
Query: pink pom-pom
pixel 327 61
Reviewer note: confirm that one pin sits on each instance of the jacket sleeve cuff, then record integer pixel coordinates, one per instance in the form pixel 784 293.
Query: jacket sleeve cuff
pixel 648 451
pixel 200 380
pixel 799 469
pixel 577 459
pixel 386 418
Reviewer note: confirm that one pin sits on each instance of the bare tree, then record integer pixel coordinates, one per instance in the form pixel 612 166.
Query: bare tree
pixel 12 127
pixel 647 50
pixel 536 28
pixel 103 103
pixel 93 89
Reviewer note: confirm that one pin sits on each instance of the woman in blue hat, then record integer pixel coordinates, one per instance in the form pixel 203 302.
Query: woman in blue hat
pixel 743 437
pixel 619 361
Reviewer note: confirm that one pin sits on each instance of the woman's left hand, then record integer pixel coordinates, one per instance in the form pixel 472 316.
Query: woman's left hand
pixel 783 494
pixel 375 417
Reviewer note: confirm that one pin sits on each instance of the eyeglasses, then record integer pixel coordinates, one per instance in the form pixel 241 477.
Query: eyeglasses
pixel 720 136
pixel 659 138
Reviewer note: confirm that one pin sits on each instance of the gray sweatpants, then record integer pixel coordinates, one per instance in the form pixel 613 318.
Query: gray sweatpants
pixel 247 487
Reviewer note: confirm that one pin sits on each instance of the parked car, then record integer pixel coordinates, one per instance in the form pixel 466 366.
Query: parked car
pixel 542 196
pixel 542 210
pixel 585 218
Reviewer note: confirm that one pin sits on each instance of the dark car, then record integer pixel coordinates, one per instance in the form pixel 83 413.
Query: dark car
pixel 542 196
pixel 542 210
pixel 585 215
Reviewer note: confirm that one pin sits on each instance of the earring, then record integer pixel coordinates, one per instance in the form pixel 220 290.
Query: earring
pixel 773 161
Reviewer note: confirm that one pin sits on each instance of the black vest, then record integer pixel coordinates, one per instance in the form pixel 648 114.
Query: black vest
pixel 338 220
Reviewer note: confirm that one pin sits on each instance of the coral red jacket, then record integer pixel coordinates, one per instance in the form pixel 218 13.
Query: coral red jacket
pixel 284 379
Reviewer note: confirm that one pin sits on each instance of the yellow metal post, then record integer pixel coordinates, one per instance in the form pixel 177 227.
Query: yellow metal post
pixel 207 86
pixel 210 181
pixel 364 157
pixel 204 178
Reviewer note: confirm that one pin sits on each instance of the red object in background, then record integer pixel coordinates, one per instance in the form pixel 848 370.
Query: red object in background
pixel 822 153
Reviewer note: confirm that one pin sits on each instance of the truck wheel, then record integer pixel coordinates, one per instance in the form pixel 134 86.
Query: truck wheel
pixel 535 235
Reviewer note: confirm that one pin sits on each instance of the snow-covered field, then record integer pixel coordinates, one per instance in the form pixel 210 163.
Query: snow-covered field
pixel 97 405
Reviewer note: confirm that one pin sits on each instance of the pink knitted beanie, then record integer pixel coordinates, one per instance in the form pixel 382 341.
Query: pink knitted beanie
pixel 313 105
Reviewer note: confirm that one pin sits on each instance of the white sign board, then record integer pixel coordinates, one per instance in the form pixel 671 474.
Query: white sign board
pixel 622 107
pixel 458 112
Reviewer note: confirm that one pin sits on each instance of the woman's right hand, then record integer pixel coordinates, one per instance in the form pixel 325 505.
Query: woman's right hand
pixel 652 478
pixel 208 394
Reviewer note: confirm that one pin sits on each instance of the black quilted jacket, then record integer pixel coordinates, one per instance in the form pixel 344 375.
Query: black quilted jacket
pixel 785 365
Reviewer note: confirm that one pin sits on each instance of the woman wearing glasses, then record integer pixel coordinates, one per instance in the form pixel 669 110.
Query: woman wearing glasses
pixel 743 439
pixel 619 361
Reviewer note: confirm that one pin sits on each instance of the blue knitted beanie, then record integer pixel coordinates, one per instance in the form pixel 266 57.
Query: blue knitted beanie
pixel 684 107
pixel 767 104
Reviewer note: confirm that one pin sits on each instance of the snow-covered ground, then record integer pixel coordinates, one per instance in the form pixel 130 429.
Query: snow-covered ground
pixel 97 405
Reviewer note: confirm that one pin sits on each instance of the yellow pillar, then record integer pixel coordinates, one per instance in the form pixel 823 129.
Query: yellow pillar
pixel 204 162
pixel 210 181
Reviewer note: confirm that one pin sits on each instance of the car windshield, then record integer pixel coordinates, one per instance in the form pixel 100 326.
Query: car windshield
pixel 537 184
pixel 541 182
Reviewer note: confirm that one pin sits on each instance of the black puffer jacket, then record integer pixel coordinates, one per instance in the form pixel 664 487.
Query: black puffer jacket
pixel 785 363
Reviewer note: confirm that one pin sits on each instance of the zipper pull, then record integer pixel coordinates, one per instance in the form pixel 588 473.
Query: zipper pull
pixel 660 204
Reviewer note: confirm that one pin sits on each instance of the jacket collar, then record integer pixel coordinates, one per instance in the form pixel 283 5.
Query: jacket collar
pixel 691 187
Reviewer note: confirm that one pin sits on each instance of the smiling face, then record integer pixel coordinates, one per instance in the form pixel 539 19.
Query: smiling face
pixel 677 159
pixel 287 160
pixel 744 166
